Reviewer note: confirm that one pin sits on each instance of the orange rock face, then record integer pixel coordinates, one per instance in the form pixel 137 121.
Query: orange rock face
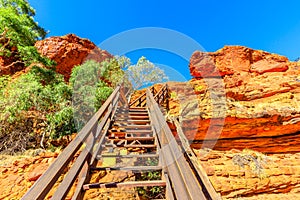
pixel 252 175
pixel 69 51
pixel 18 176
pixel 235 59
pixel 245 99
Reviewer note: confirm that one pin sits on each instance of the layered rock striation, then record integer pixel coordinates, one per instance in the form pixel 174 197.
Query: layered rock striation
pixel 251 175
pixel 245 98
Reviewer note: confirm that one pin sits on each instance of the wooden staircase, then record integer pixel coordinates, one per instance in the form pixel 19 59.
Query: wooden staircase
pixel 130 145
pixel 123 138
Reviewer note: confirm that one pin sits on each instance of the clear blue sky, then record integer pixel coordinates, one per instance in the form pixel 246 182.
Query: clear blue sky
pixel 272 26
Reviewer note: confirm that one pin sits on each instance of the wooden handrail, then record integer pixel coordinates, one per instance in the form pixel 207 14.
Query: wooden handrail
pixel 140 99
pixel 162 92
pixel 181 175
pixel 209 190
pixel 43 185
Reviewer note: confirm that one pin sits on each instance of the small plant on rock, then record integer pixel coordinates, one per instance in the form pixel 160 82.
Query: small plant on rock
pixel 254 160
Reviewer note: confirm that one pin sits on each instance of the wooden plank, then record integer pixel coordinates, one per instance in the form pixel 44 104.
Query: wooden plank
pixel 202 176
pixel 169 190
pixel 160 92
pixel 132 138
pixel 130 146
pixel 117 116
pixel 133 113
pixel 121 130
pixel 138 99
pixel 128 127
pixel 128 184
pixel 130 156
pixel 133 168
pixel 138 109
pixel 140 146
pixel 132 121
pixel 123 98
pixel 99 145
pixel 82 178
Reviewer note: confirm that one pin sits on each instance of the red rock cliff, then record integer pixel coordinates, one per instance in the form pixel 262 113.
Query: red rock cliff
pixel 69 51
pixel 258 109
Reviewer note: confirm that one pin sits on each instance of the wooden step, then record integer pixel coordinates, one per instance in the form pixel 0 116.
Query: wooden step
pixel 133 114
pixel 129 156
pixel 132 111
pixel 130 121
pixel 127 184
pixel 132 117
pixel 129 133
pixel 140 146
pixel 131 138
pixel 133 146
pixel 131 127
pixel 132 168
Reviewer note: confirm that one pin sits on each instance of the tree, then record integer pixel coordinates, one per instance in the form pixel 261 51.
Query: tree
pixel 145 73
pixel 19 32
pixel 92 84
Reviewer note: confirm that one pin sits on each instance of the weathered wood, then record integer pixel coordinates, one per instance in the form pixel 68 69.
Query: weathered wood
pixel 139 100
pixel 99 144
pixel 134 113
pixel 133 168
pixel 128 184
pixel 140 146
pixel 209 190
pixel 82 178
pixel 181 176
pixel 128 120
pixel 132 138
pixel 130 156
pixel 133 117
pixel 169 191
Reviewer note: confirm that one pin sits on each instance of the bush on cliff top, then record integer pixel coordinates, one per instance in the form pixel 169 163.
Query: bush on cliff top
pixel 19 32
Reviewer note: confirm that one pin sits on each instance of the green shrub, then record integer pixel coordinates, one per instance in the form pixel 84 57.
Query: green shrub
pixel 61 123
pixel 42 91
pixel 102 93
pixel 92 83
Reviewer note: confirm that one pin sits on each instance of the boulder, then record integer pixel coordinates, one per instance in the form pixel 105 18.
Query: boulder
pixel 69 51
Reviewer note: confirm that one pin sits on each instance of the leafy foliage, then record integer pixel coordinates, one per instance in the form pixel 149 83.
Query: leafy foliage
pixel 20 32
pixel 145 73
pixel 92 84
pixel 154 192
pixel 41 91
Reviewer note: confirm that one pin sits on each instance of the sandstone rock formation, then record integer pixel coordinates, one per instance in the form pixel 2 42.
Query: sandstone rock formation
pixel 20 174
pixel 255 177
pixel 245 98
pixel 69 51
